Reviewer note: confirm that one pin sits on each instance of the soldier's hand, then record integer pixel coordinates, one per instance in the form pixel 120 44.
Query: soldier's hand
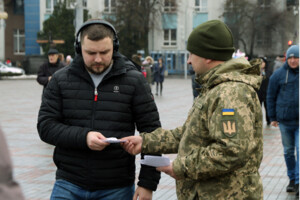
pixel 168 170
pixel 133 144
pixel 94 141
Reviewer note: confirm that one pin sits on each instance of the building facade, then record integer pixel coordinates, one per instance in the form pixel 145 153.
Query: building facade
pixel 167 38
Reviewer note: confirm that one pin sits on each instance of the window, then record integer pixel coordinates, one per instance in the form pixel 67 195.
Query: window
pixel 170 37
pixel 84 3
pixel 110 6
pixel 169 6
pixel 19 41
pixel 19 7
pixel 263 39
pixel 264 3
pixel 50 4
pixel 201 5
pixel 71 4
pixel 292 2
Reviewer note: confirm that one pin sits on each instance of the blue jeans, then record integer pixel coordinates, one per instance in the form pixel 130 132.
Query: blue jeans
pixel 68 191
pixel 290 142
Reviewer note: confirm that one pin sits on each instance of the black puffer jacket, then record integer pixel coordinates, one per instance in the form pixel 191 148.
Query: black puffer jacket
pixel 69 111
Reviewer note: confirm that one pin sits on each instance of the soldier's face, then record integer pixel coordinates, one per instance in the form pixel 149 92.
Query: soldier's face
pixel 97 55
pixel 293 62
pixel 198 63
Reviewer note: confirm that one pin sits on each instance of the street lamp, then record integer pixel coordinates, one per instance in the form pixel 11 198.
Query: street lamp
pixel 3 15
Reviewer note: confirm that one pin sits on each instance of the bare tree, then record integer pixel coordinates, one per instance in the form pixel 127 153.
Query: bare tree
pixel 134 19
pixel 254 24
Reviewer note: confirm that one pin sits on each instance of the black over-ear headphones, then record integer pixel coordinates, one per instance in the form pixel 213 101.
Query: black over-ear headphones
pixel 77 44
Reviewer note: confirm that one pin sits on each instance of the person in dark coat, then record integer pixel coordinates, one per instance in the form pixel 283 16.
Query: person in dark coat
pixel 262 92
pixel 47 69
pixel 86 108
pixel 159 75
pixel 283 110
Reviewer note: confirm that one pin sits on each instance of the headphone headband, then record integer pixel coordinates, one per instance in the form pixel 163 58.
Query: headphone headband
pixel 77 44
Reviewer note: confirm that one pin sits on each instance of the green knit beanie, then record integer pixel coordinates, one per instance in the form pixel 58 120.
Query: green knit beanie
pixel 211 40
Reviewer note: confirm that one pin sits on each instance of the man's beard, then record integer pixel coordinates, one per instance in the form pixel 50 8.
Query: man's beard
pixel 97 71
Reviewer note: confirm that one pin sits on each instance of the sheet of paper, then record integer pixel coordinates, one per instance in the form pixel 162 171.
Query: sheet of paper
pixel 113 140
pixel 155 161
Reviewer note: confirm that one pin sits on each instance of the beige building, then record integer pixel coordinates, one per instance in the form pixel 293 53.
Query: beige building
pixel 168 37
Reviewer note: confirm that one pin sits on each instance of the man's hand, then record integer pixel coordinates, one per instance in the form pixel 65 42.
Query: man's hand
pixel 275 123
pixel 94 141
pixel 142 194
pixel 49 78
pixel 133 144
pixel 168 170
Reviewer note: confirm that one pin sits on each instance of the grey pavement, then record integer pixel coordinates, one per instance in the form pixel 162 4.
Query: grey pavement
pixel 32 158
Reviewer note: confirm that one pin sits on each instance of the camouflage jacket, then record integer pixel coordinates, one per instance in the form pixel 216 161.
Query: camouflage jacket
pixel 220 145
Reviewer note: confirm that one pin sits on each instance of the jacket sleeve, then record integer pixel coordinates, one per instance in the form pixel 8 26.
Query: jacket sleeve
pixel 272 91
pixel 9 188
pixel 51 127
pixel 42 78
pixel 230 141
pixel 162 141
pixel 146 118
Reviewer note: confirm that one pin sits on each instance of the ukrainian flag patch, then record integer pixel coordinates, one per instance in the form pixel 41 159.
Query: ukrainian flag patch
pixel 227 111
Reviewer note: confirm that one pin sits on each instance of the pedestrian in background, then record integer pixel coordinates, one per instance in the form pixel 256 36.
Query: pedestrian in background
pixel 279 61
pixel 61 58
pixel 283 110
pixel 9 188
pixel 159 75
pixel 148 64
pixel 8 62
pixel 101 95
pixel 219 147
pixel 262 91
pixel 69 59
pixel 195 86
pixel 135 58
pixel 47 69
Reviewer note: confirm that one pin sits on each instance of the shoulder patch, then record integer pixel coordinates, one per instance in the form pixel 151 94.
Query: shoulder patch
pixel 229 127
pixel 227 111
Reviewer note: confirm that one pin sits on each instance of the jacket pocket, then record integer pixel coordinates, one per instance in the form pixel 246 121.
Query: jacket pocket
pixel 287 113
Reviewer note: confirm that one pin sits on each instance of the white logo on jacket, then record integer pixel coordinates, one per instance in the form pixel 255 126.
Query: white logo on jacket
pixel 116 89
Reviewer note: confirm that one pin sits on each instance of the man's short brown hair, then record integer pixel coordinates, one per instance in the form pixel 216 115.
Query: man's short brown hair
pixel 96 32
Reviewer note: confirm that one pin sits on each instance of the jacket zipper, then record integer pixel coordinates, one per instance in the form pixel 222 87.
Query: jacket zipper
pixel 95 94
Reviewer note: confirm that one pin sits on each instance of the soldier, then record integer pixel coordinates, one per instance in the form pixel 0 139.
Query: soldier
pixel 219 147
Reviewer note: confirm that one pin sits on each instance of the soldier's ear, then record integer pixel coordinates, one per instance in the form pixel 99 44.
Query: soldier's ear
pixel 208 61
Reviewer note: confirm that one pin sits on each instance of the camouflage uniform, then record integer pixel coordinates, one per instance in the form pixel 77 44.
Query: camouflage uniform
pixel 220 146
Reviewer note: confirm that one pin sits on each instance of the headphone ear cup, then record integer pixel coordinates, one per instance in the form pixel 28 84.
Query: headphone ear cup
pixel 78 47
pixel 116 44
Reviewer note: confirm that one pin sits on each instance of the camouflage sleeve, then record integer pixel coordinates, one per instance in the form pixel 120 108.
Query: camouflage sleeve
pixel 161 141
pixel 231 138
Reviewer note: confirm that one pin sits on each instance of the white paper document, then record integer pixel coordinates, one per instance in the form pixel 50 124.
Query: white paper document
pixel 113 140
pixel 155 161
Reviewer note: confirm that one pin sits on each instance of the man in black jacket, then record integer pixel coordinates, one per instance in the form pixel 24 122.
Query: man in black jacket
pixel 100 95
pixel 47 69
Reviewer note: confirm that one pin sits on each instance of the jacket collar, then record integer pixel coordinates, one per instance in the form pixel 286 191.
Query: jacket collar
pixel 237 70
pixel 120 66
